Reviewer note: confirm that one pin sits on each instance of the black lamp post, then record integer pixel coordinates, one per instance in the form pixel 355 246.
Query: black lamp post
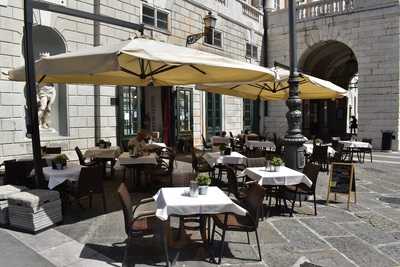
pixel 294 140
pixel 209 25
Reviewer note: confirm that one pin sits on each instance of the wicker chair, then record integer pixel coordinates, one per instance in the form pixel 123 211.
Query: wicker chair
pixel 90 183
pixel 139 224
pixel 311 171
pixel 82 160
pixel 248 223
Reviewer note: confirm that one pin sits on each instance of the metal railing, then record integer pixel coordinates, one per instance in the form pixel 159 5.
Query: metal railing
pixel 251 11
pixel 223 2
pixel 323 8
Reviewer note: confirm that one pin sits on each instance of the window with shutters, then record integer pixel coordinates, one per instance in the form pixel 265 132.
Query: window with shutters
pixel 155 17
pixel 213 37
pixel 251 51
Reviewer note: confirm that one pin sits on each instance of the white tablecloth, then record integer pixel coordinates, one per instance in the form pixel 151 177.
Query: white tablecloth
pixel 125 159
pixel 217 140
pixel 260 144
pixel 56 177
pixel 216 158
pixel 174 201
pixel 284 176
pixel 103 153
pixel 355 144
pixel 310 148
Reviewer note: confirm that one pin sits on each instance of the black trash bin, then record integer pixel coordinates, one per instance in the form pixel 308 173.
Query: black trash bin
pixel 387 137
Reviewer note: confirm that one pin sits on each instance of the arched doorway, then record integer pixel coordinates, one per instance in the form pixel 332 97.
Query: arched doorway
pixel 48 40
pixel 335 62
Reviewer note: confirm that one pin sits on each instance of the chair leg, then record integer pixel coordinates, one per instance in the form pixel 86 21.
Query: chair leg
pixel 248 238
pixel 221 249
pixel 213 234
pixel 371 156
pixel 294 202
pixel 165 246
pixel 258 246
pixel 300 201
pixel 104 202
pixel 90 201
pixel 315 205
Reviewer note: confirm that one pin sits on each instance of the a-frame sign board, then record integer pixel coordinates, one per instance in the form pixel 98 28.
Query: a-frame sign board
pixel 342 181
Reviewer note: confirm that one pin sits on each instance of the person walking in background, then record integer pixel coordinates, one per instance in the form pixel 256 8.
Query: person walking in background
pixel 353 125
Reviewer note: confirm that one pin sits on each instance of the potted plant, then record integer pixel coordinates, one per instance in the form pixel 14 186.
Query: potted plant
pixel 203 181
pixel 277 162
pixel 60 162
pixel 222 148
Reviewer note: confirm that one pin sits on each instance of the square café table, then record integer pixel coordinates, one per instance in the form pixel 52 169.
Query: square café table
pixel 103 153
pixel 216 158
pixel 135 165
pixel 56 177
pixel 175 201
pixel 285 176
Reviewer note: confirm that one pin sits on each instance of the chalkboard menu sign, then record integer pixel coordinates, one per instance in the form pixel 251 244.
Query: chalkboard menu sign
pixel 342 180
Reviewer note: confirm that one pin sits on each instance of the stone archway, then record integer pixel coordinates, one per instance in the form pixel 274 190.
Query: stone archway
pixel 336 62
pixel 49 40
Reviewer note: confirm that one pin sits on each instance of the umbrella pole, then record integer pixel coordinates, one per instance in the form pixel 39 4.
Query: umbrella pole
pixel 31 90
pixel 294 140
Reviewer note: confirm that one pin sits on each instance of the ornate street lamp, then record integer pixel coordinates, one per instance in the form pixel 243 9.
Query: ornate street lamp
pixel 209 25
pixel 294 140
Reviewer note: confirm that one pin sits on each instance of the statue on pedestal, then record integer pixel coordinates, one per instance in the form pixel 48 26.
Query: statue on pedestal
pixel 46 97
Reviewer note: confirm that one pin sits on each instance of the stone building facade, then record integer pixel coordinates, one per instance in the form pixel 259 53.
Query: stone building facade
pixel 336 40
pixel 238 22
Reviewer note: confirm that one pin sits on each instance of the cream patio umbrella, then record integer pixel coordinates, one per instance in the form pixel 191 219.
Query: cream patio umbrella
pixel 310 88
pixel 142 62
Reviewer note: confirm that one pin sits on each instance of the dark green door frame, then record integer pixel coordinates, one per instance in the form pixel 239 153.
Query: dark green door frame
pixel 213 114
pixel 128 109
pixel 251 115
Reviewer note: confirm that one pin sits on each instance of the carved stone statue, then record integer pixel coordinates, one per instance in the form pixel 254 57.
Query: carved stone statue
pixel 46 96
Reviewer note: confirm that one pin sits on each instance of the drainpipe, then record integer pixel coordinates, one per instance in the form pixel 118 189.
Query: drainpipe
pixel 96 42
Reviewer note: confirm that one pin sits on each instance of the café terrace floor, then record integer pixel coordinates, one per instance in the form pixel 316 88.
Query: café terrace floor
pixel 367 235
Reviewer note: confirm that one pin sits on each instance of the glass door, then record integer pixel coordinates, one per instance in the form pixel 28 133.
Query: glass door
pixel 128 113
pixel 213 114
pixel 250 115
pixel 184 111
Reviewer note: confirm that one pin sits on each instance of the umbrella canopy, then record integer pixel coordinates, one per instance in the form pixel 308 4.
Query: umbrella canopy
pixel 142 62
pixel 310 88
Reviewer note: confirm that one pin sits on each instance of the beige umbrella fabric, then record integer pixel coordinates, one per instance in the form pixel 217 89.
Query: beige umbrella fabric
pixel 310 88
pixel 142 62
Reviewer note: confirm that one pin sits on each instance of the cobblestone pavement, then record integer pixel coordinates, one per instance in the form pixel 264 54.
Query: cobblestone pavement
pixel 366 235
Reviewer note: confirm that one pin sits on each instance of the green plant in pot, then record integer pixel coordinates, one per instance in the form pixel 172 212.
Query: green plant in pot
pixel 60 162
pixel 203 181
pixel 222 148
pixel 277 162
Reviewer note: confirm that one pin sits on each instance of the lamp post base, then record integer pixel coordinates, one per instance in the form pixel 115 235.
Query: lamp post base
pixel 294 152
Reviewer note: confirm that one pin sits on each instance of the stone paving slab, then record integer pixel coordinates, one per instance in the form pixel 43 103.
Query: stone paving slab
pixel 15 253
pixel 371 234
pixel 392 251
pixel 300 238
pixel 325 227
pixel 379 221
pixel 360 252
